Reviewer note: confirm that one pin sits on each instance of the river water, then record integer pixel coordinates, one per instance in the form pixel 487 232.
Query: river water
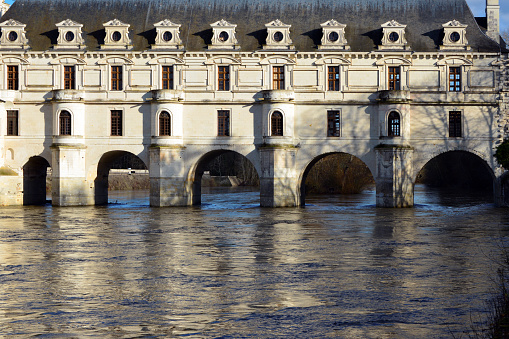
pixel 338 268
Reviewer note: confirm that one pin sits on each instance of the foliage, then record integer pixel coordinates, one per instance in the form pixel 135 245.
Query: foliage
pixel 502 154
pixel 505 35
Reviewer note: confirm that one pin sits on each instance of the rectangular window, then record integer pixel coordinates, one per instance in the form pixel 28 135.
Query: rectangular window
pixel 333 124
pixel 116 78
pixel 12 122
pixel 116 123
pixel 455 124
pixel 333 72
pixel 223 76
pixel 69 77
pixel 454 79
pixel 12 77
pixel 394 78
pixel 278 77
pixel 167 77
pixel 223 123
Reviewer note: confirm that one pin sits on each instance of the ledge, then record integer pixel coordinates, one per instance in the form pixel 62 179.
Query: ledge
pixel 278 95
pixel 68 95
pixel 167 95
pixel 394 96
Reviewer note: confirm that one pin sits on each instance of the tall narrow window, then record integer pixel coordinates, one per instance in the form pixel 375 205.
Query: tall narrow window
pixel 167 77
pixel 455 79
pixel 116 78
pixel 223 76
pixel 65 123
pixel 333 72
pixel 455 124
pixel 394 124
pixel 116 123
pixel 12 77
pixel 394 78
pixel 276 124
pixel 69 77
pixel 12 122
pixel 223 123
pixel 164 124
pixel 333 124
pixel 278 77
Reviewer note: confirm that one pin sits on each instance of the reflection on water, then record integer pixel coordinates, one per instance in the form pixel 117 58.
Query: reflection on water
pixel 337 268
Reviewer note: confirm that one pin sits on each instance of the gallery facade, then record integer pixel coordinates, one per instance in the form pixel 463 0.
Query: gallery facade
pixel 283 83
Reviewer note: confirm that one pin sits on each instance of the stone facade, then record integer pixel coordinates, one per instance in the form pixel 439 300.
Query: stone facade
pixel 76 108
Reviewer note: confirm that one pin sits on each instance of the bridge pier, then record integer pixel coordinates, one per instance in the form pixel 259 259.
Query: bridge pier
pixel 69 186
pixel 394 176
pixel 168 182
pixel 279 181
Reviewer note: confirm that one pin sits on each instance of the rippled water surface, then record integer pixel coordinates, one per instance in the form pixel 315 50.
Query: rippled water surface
pixel 337 268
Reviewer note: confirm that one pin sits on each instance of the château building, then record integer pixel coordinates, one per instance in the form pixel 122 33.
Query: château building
pixel 283 83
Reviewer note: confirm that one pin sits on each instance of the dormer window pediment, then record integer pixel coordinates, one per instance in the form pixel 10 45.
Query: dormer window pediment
pixel 13 35
pixel 278 35
pixel 333 36
pixel 167 35
pixel 455 36
pixel 393 36
pixel 117 35
pixel 223 35
pixel 69 35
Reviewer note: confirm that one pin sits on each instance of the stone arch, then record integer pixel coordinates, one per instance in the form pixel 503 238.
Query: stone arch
pixel 309 166
pixel 103 167
pixel 197 170
pixel 34 180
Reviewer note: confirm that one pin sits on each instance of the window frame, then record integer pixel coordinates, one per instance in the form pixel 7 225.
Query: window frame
pixel 116 82
pixel 116 123
pixel 164 125
pixel 64 123
pixel 455 124
pixel 394 84
pixel 223 123
pixel 69 82
pixel 394 132
pixel 336 81
pixel 454 71
pixel 335 131
pixel 13 77
pixel 168 83
pixel 277 125
pixel 223 77
pixel 278 78
pixel 14 132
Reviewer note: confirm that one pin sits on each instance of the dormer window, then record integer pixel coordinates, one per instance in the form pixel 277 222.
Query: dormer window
pixel 393 36
pixel 278 36
pixel 13 35
pixel 167 35
pixel 69 35
pixel 223 35
pixel 455 36
pixel 117 35
pixel 333 36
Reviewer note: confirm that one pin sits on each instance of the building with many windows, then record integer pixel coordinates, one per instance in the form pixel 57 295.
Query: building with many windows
pixel 283 83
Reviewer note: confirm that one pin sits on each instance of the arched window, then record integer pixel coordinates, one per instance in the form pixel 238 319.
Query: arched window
pixel 65 123
pixel 394 124
pixel 164 124
pixel 276 122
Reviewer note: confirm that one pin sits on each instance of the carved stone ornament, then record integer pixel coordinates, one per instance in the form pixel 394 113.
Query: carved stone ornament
pixel 13 35
pixel 333 36
pixel 117 35
pixel 223 35
pixel 167 35
pixel 278 35
pixel 69 35
pixel 455 36
pixel 393 36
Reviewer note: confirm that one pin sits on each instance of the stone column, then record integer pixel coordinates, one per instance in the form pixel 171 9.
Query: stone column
pixel 394 176
pixel 279 182
pixel 168 183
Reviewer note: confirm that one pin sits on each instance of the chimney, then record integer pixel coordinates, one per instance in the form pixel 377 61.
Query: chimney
pixel 493 19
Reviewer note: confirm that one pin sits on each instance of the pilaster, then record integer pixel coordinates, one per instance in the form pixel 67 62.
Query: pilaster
pixel 394 176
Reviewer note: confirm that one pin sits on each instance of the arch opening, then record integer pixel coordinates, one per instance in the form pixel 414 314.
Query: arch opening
pixel 335 173
pixel 223 168
pixel 458 174
pixel 35 184
pixel 120 171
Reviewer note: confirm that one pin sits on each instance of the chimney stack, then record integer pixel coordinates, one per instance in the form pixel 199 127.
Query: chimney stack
pixel 493 19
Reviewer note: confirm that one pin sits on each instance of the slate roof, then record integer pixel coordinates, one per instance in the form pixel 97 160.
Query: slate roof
pixel 424 19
